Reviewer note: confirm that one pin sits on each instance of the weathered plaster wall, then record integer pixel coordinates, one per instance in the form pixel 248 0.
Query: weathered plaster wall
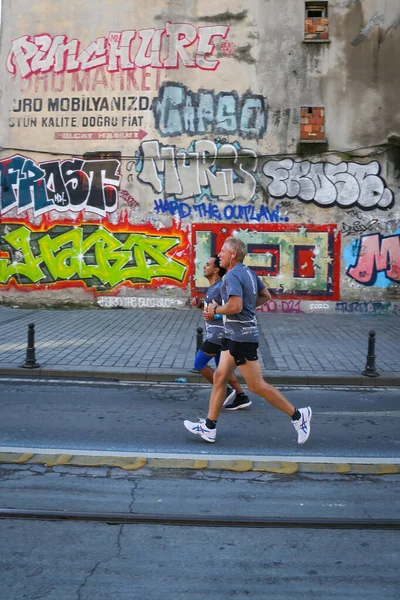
pixel 135 140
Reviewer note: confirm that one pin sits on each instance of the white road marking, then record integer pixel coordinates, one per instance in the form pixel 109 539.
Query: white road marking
pixel 116 382
pixel 359 413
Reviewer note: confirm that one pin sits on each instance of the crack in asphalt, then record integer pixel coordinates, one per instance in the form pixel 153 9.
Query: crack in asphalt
pixel 133 491
pixel 101 562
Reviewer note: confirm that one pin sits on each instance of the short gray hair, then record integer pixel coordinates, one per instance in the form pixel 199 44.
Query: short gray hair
pixel 237 246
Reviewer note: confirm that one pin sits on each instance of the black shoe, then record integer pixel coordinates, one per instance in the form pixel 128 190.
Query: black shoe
pixel 241 401
pixel 230 395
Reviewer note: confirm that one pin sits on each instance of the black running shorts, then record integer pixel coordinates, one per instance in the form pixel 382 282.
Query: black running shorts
pixel 210 348
pixel 241 351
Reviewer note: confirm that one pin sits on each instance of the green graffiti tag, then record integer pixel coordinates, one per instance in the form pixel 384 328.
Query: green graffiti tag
pixel 88 253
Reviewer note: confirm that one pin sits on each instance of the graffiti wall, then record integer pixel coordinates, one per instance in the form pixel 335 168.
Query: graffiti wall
pixel 134 145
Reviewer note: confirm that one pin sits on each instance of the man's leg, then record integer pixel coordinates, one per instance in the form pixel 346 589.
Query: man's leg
pixel 225 369
pixel 251 372
pixel 201 365
pixel 232 381
pixel 206 428
pixel 301 418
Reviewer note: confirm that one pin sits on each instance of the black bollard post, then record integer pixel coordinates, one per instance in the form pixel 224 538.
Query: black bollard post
pixel 199 338
pixel 30 361
pixel 199 341
pixel 370 370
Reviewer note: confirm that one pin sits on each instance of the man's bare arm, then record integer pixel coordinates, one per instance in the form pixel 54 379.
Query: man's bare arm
pixel 263 297
pixel 232 307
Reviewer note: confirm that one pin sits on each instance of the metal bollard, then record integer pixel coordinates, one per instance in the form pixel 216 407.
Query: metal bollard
pixel 370 370
pixel 199 341
pixel 30 361
pixel 199 338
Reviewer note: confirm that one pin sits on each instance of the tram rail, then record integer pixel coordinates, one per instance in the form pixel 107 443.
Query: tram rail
pixel 202 521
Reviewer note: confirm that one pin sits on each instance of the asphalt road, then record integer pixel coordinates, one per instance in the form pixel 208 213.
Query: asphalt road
pixel 72 560
pixel 83 561
pixel 149 418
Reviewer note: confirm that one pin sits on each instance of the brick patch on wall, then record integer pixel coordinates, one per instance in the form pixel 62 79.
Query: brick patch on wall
pixel 316 21
pixel 312 123
pixel 316 29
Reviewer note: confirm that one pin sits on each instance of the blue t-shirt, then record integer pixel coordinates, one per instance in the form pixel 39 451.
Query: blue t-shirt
pixel 242 281
pixel 214 328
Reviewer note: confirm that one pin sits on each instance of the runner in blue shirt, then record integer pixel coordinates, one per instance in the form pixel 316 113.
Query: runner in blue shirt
pixel 211 347
pixel 242 291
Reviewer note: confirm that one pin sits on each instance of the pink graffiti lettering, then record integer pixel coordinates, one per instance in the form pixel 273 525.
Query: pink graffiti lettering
pixel 285 306
pixel 376 254
pixel 178 44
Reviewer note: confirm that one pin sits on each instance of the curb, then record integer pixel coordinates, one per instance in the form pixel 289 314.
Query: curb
pixel 345 378
pixel 136 462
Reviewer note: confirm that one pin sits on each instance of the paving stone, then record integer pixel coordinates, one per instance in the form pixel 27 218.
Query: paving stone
pixel 165 340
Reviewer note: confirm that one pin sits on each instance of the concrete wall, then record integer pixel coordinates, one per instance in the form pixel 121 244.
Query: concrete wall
pixel 137 136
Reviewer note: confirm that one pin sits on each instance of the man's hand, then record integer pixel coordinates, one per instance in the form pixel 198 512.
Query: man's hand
pixel 197 302
pixel 208 312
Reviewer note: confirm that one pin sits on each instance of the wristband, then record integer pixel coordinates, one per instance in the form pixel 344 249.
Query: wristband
pixel 215 310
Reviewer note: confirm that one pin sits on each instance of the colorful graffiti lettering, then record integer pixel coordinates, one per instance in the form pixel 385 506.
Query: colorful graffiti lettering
pixel 74 184
pixel 178 111
pixel 43 53
pixel 226 172
pixel 292 261
pixel 231 212
pixel 375 255
pixel 92 255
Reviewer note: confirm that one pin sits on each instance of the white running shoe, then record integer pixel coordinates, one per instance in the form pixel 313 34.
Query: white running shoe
pixel 230 395
pixel 201 429
pixel 303 425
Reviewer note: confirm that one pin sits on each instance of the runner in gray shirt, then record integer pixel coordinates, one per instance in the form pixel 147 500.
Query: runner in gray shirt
pixel 241 292
pixel 242 281
pixel 211 347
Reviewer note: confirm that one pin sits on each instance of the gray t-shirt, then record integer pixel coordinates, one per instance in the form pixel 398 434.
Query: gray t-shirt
pixel 214 328
pixel 242 281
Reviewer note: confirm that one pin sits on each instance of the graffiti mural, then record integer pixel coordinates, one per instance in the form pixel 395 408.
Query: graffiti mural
pixel 184 44
pixel 213 170
pixel 345 184
pixel 90 256
pixel 178 111
pixel 59 185
pixel 226 172
pixel 377 259
pixel 292 260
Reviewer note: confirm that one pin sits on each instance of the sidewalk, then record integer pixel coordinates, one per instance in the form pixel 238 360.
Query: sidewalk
pixel 160 345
